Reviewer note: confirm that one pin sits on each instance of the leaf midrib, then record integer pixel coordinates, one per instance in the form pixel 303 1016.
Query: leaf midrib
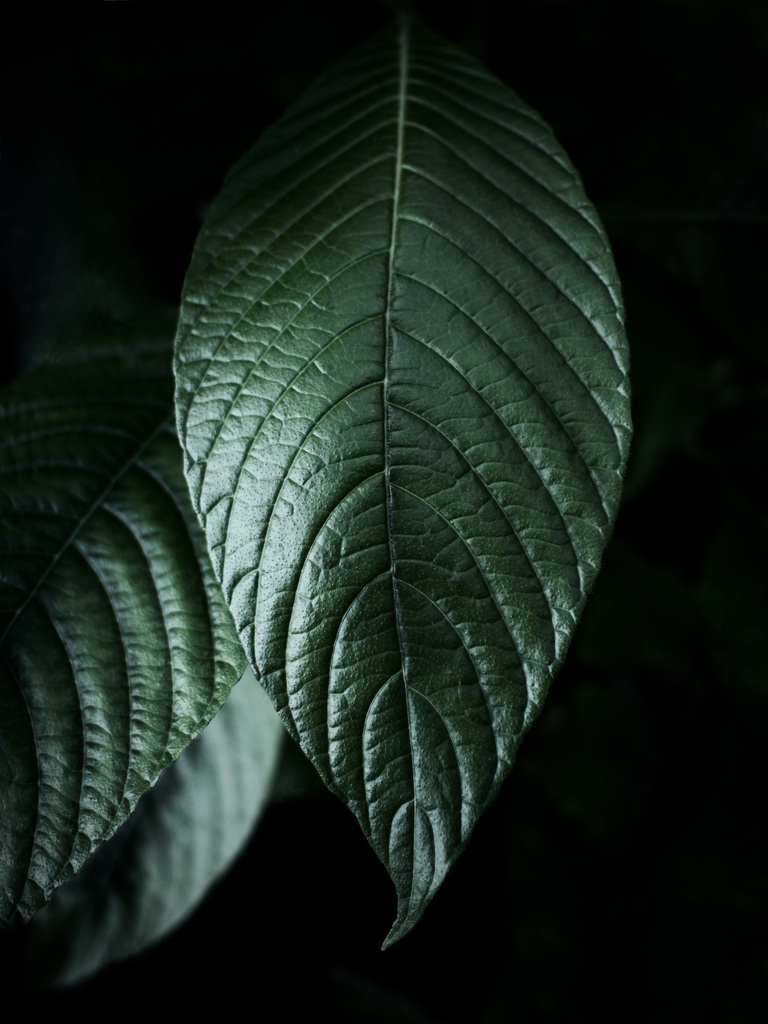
pixel 84 519
pixel 403 56
pixel 403 59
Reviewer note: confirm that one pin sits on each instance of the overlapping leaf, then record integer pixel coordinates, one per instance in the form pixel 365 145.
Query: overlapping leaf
pixel 115 645
pixel 184 833
pixel 401 382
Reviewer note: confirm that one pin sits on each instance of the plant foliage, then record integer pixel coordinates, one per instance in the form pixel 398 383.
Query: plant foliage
pixel 628 843
pixel 116 647
pixel 402 394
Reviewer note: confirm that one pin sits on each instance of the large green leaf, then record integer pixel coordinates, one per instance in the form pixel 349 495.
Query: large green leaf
pixel 115 645
pixel 183 834
pixel 401 386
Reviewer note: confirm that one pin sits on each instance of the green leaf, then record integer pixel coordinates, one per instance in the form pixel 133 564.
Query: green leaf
pixel 182 836
pixel 401 387
pixel 115 645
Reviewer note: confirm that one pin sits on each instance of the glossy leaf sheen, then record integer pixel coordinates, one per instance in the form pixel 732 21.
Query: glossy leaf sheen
pixel 115 645
pixel 184 833
pixel 401 381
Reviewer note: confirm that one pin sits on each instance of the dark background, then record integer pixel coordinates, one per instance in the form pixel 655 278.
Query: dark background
pixel 623 873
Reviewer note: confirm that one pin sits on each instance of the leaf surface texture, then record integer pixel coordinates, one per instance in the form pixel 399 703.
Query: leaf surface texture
pixel 116 647
pixel 402 393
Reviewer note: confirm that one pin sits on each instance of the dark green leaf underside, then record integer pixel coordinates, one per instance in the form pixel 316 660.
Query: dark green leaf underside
pixel 401 382
pixel 115 647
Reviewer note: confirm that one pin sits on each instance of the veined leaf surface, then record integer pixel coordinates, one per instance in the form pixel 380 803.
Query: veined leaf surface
pixel 116 647
pixel 160 864
pixel 401 387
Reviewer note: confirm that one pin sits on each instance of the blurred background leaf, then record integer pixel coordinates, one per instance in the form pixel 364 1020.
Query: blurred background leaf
pixel 184 833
